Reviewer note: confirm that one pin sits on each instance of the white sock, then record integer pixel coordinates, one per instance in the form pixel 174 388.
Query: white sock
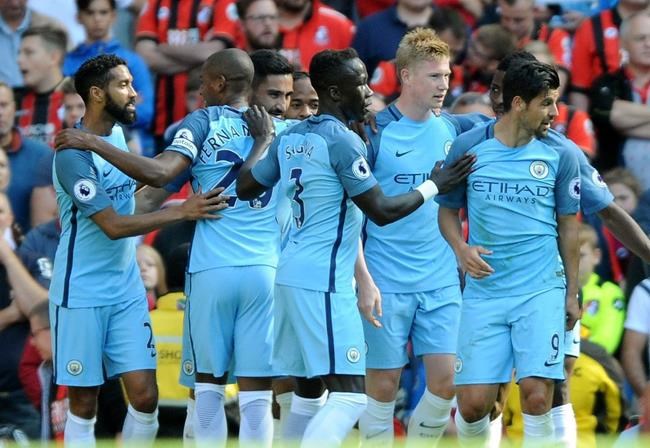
pixel 140 427
pixel 188 428
pixel 335 420
pixel 256 420
pixel 79 432
pixel 302 411
pixel 429 419
pixel 284 401
pixel 472 434
pixel 209 419
pixel 376 423
pixel 564 421
pixel 495 433
pixel 538 430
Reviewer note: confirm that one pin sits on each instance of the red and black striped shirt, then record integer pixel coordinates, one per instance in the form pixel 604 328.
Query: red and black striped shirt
pixel 174 22
pixel 39 116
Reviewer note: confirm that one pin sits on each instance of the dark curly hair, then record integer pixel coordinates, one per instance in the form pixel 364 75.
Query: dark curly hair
pixel 326 67
pixel 96 72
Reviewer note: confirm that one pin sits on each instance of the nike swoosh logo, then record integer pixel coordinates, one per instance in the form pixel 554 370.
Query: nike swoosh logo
pixel 400 154
pixel 107 171
pixel 547 364
pixel 372 436
pixel 576 342
pixel 422 425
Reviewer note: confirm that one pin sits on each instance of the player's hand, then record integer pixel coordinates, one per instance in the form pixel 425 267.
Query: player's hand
pixel 260 123
pixel 472 262
pixel 204 205
pixel 446 177
pixel 573 311
pixel 369 301
pixel 74 138
pixel 359 127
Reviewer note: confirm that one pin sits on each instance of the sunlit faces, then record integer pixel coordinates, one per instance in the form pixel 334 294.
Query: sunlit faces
pixel 120 96
pixel 518 18
pixel 97 20
pixel 73 109
pixel 13 9
pixel 304 100
pixel 148 267
pixel 496 93
pixel 636 41
pixel 623 196
pixel 589 259
pixel 5 171
pixel 274 93
pixel 538 115
pixel 7 111
pixel 261 25
pixel 6 213
pixel 356 96
pixel 427 81
pixel 35 61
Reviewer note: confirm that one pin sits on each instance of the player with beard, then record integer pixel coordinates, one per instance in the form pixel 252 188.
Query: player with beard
pixel 513 310
pixel 322 168
pixel 595 198
pixel 98 310
pixel 272 83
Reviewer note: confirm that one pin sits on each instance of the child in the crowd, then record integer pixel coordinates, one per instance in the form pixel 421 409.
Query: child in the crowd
pixel 603 302
pixel 152 271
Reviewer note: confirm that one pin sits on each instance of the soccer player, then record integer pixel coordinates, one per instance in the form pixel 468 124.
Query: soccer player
pixel 304 100
pixel 522 200
pixel 272 83
pixel 98 307
pixel 595 198
pixel 237 252
pixel 322 168
pixel 413 266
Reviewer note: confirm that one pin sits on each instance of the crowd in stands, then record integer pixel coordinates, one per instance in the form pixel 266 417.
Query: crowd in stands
pixel 600 48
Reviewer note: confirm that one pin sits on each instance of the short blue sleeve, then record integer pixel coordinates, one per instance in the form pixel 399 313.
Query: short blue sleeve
pixel 374 140
pixel 348 158
pixel 77 174
pixel 594 194
pixel 267 170
pixel 191 134
pixel 567 184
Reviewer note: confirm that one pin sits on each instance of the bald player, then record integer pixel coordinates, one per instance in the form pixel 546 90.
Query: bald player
pixel 230 326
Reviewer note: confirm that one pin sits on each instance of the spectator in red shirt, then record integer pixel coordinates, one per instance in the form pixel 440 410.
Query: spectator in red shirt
pixel 518 17
pixel 172 37
pixel 248 24
pixel 487 46
pixel 596 48
pixel 308 27
pixel 39 102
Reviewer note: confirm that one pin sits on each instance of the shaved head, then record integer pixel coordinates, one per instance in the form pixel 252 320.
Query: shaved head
pixel 233 64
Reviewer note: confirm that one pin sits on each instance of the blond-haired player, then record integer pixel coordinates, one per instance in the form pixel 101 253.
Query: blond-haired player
pixel 411 263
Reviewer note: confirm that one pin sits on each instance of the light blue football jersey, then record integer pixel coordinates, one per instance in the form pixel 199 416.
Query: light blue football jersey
pixel 217 141
pixel 320 165
pixel 594 194
pixel 409 255
pixel 512 197
pixel 91 270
